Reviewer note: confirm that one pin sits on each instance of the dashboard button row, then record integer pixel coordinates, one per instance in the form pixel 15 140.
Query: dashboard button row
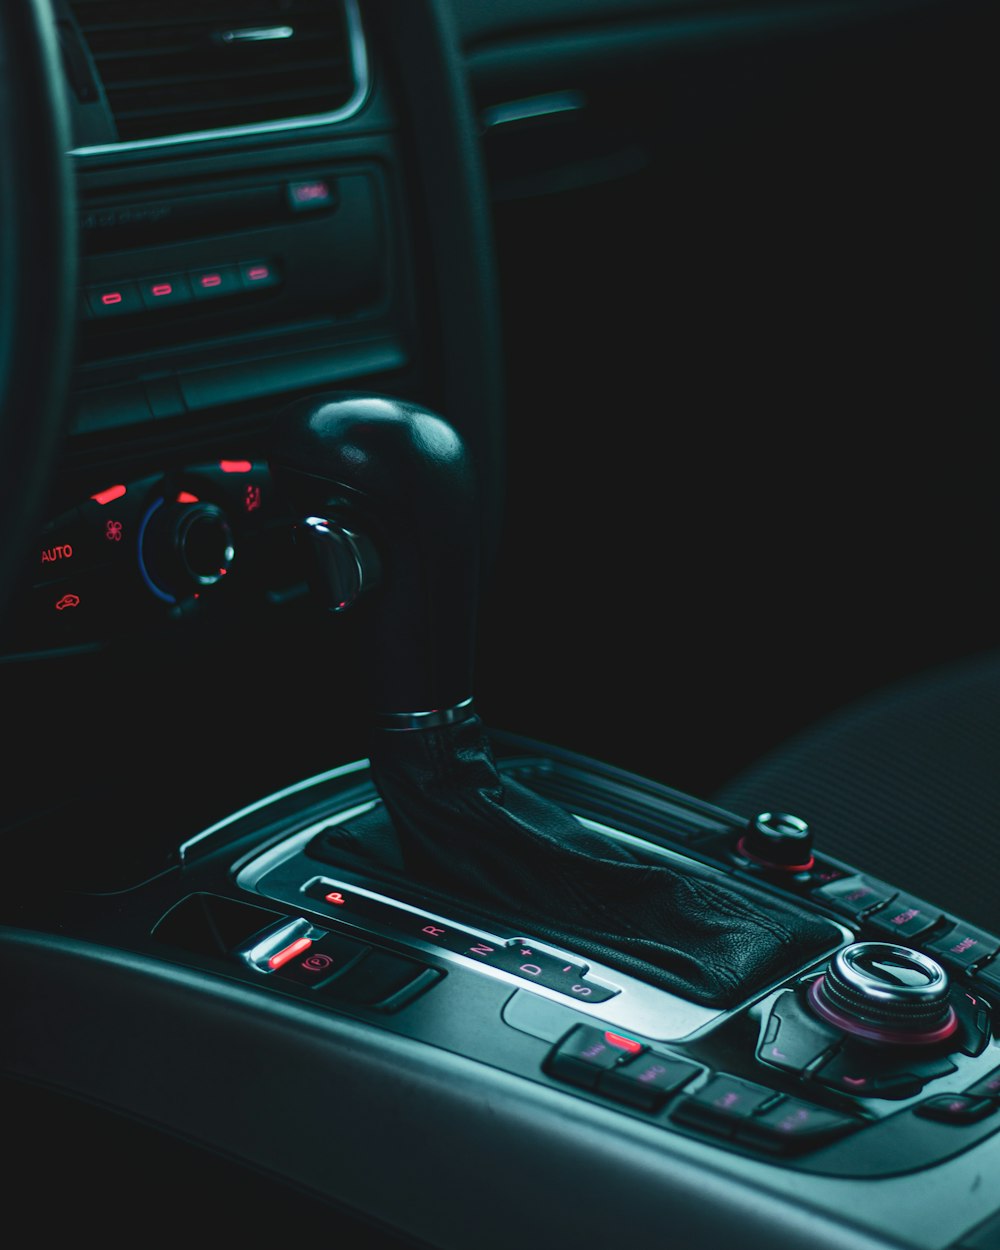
pixel 168 290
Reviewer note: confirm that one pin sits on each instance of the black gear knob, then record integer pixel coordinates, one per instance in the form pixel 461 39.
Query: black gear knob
pixel 385 496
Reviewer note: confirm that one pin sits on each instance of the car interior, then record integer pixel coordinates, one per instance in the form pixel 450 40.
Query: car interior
pixel 498 631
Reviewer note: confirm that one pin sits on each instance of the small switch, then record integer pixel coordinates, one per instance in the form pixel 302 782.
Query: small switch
pixel 312 195
pixel 853 896
pixel 646 1081
pixel 114 299
pixel 791 1125
pixel 961 945
pixel 722 1104
pixel 586 1052
pixel 793 1037
pixel 207 284
pixel 956 1108
pixel 323 958
pixel 165 291
pixel 905 917
pixel 257 274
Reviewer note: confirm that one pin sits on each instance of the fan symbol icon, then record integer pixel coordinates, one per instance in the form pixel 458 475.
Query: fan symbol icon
pixel 113 531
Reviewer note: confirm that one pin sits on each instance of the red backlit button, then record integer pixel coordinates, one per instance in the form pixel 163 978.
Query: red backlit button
pixel 114 299
pixel 258 274
pixel 586 1052
pixel 65 548
pixel 214 283
pixel 165 291
pixel 318 960
pixel 312 195
pixel 955 1108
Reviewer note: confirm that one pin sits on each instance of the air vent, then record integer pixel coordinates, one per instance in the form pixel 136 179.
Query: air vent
pixel 194 68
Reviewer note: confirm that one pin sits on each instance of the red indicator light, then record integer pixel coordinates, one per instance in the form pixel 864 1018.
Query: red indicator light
pixel 210 279
pixel 336 898
pixel 306 191
pixel 162 288
pixel 258 272
pixel 106 496
pixel 235 466
pixel 283 956
pixel 623 1043
pixel 185 496
pixel 67 601
pixel 111 297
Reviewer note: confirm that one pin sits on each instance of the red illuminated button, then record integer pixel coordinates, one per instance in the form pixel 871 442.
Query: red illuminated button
pixel 961 946
pixel 115 299
pixel 311 195
pixel 258 274
pixel 905 917
pixel 215 283
pixel 318 960
pixel 586 1052
pixel 65 548
pixel 76 609
pixel 165 291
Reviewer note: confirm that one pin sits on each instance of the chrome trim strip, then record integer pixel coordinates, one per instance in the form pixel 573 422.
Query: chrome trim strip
pixel 397 722
pixel 362 87
pixel 342 771
pixel 531 108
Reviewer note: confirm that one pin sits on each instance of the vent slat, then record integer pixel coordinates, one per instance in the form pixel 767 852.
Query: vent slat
pixel 166 70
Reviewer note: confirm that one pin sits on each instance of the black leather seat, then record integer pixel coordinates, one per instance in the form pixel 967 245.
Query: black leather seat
pixel 904 784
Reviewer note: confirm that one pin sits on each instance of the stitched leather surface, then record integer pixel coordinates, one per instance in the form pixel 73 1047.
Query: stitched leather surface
pixel 453 830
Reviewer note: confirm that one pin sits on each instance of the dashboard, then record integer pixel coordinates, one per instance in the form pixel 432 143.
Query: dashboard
pixel 676 273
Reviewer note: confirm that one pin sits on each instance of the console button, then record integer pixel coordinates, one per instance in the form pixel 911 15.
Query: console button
pixel 646 1081
pixel 322 959
pixel 214 283
pixel 956 1108
pixel 987 1086
pixel 114 299
pixel 721 1105
pixel 869 1073
pixel 791 1125
pixel 905 917
pixel 793 1038
pixel 65 547
pixel 853 896
pixel 586 1052
pixel 165 291
pixel 257 274
pixel 961 945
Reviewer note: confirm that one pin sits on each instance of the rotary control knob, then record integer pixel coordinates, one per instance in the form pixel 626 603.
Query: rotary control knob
pixel 184 547
pixel 885 993
pixel 777 841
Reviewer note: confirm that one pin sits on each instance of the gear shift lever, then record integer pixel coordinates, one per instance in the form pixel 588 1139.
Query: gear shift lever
pixel 387 503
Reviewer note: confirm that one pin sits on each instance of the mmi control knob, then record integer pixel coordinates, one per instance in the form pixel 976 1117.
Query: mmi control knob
pixel 885 993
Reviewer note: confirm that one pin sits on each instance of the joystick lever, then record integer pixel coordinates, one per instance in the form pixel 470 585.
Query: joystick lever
pixel 388 509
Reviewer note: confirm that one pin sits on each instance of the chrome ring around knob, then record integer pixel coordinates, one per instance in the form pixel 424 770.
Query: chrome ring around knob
pixel 885 993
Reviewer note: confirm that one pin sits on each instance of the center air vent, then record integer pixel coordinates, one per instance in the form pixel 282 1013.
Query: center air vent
pixel 193 68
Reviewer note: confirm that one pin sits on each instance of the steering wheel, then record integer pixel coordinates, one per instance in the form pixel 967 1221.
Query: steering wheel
pixel 38 266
